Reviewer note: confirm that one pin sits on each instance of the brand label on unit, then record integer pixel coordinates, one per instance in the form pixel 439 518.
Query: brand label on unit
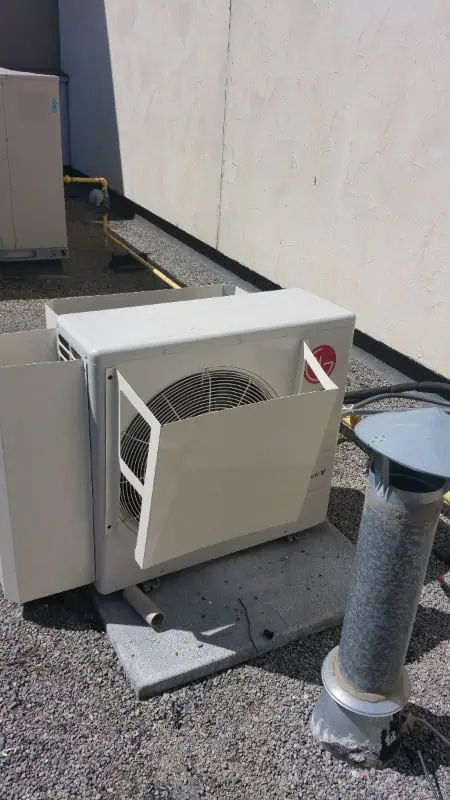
pixel 326 356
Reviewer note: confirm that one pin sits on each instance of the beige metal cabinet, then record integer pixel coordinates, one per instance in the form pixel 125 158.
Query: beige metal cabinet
pixel 32 208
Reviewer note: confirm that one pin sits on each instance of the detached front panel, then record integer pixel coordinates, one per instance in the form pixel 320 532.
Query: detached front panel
pixel 191 533
pixel 45 480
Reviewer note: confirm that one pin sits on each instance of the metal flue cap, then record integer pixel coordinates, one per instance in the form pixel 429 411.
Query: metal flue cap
pixel 418 439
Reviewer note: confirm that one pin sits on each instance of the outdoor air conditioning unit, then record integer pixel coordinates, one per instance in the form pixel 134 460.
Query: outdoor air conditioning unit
pixel 145 433
pixel 32 205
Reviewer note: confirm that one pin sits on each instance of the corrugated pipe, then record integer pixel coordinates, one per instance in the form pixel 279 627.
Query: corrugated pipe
pixel 354 396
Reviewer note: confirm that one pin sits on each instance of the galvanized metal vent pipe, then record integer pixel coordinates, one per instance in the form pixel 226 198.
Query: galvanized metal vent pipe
pixel 365 682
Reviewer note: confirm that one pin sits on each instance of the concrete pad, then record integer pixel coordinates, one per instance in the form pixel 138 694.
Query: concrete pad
pixel 230 610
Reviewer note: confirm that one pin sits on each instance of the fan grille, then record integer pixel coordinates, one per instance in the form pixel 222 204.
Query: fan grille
pixel 201 393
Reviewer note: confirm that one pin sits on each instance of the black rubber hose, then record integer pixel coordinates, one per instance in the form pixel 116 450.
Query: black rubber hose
pixel 363 394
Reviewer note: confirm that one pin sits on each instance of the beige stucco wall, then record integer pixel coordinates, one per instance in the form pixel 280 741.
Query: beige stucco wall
pixel 147 84
pixel 336 143
pixel 337 160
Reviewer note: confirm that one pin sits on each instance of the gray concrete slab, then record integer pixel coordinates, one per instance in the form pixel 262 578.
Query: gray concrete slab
pixel 227 611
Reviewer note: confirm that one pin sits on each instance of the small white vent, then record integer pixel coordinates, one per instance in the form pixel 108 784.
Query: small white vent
pixel 65 351
pixel 201 393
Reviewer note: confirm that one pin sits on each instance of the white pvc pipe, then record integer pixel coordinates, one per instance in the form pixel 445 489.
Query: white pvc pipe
pixel 144 606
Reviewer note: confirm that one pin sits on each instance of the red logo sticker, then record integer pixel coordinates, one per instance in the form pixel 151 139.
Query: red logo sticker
pixel 326 356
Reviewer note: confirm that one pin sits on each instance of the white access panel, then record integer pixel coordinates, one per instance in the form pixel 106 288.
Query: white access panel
pixel 226 474
pixel 32 205
pixel 104 302
pixel 27 347
pixel 45 478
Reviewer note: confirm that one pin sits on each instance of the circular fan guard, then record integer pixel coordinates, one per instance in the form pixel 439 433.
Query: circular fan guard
pixel 201 393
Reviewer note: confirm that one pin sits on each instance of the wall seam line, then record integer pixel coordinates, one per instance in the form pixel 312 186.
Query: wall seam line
pixel 224 123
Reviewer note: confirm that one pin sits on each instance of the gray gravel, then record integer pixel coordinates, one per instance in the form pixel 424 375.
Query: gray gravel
pixel 70 727
pixel 184 264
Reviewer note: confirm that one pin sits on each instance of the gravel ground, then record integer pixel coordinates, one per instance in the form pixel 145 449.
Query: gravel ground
pixel 185 264
pixel 86 272
pixel 70 727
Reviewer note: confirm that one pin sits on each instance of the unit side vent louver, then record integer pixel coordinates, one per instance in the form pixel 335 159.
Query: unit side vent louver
pixel 201 393
pixel 65 351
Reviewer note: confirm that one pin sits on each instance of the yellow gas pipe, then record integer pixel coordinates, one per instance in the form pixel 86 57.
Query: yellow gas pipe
pixel 109 237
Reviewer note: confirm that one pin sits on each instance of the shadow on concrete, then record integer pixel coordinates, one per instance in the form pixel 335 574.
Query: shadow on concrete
pixel 301 660
pixel 345 509
pixel 75 610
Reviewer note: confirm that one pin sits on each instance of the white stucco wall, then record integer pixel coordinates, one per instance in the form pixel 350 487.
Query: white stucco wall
pixel 336 144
